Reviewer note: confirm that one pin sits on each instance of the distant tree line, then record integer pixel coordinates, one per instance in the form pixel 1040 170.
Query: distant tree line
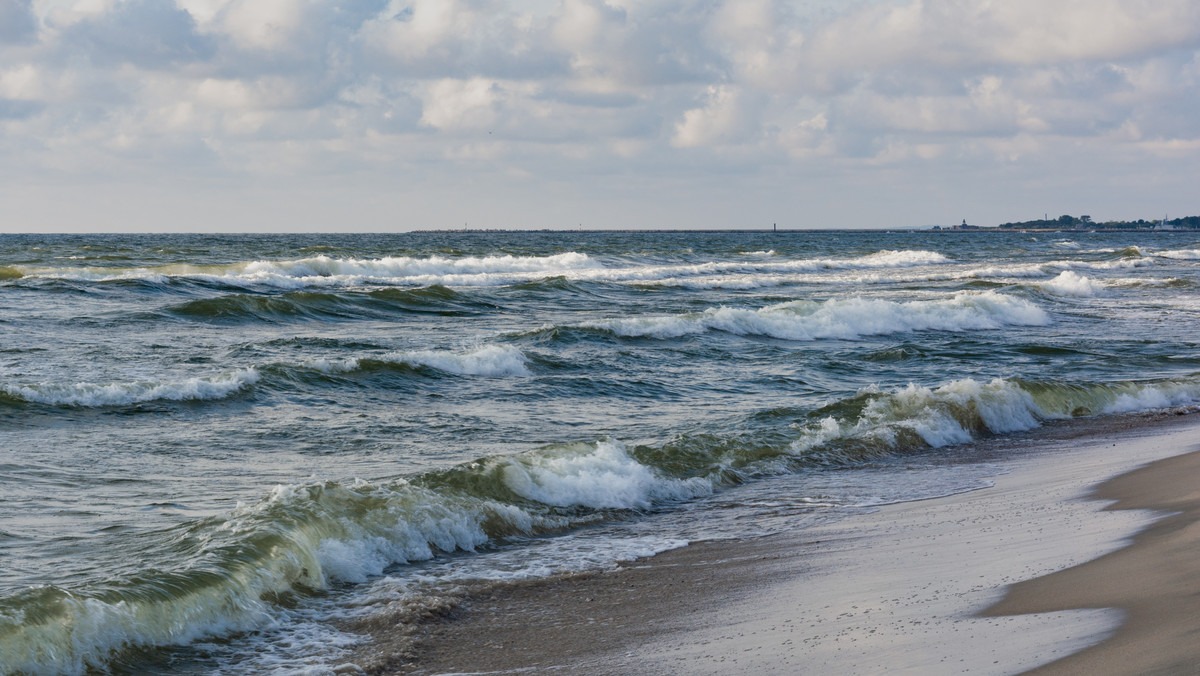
pixel 1085 222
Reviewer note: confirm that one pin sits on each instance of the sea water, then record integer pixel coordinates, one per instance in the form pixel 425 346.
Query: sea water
pixel 228 454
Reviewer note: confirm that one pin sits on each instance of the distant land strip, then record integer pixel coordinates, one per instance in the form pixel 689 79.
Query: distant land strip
pixel 1064 223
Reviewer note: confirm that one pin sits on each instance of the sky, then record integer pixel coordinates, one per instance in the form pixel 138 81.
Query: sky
pixel 375 115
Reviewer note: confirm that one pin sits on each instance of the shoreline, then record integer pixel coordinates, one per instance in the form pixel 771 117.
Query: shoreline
pixel 1159 569
pixel 906 588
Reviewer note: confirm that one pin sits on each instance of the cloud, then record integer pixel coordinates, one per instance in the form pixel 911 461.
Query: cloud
pixel 17 22
pixel 957 34
pixel 644 91
pixel 725 117
pixel 18 109
pixel 146 33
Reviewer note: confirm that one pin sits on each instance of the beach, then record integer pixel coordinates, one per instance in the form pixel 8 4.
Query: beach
pixel 1058 567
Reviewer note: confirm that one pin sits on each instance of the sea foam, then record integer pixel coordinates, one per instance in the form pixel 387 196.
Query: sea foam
pixel 472 271
pixel 881 422
pixel 841 318
pixel 120 394
pixel 1180 254
pixel 602 476
pixel 490 360
pixel 495 361
pixel 311 536
pixel 1070 283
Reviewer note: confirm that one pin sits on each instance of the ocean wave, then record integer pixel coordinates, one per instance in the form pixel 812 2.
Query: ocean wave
pixel 603 476
pixel 313 271
pixel 484 271
pixel 492 361
pixel 1147 281
pixel 306 537
pixel 1126 263
pixel 880 422
pixel 1070 283
pixel 324 271
pixel 1180 254
pixel 898 275
pixel 325 304
pixel 120 394
pixel 840 318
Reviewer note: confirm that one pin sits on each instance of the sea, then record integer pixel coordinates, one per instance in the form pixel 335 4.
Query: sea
pixel 228 454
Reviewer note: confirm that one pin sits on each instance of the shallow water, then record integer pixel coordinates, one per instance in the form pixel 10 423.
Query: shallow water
pixel 218 451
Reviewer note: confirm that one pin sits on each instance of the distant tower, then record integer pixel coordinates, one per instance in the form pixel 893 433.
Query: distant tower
pixel 964 223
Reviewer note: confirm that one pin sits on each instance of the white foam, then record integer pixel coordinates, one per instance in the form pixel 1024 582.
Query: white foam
pixel 953 413
pixel 940 416
pixel 1154 396
pixel 323 270
pixel 483 271
pixel 493 361
pixel 1180 254
pixel 1140 281
pixel 1121 264
pixel 1070 283
pixel 119 394
pixel 841 318
pixel 603 476
pixel 86 629
pixel 345 365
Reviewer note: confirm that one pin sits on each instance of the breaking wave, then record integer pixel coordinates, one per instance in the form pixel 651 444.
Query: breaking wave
pixel 877 422
pixel 1070 283
pixel 121 394
pixel 308 537
pixel 1180 254
pixel 494 361
pixel 841 318
pixel 480 271
pixel 235 567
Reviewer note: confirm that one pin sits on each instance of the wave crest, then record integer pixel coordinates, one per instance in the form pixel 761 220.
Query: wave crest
pixel 494 361
pixel 470 271
pixel 841 318
pixel 121 394
pixel 1070 283
pixel 311 536
pixel 876 422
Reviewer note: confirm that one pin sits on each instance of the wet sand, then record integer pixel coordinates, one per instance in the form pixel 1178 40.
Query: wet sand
pixel 988 581
pixel 1155 581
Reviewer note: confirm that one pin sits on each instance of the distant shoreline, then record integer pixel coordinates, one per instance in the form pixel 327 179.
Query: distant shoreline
pixel 923 229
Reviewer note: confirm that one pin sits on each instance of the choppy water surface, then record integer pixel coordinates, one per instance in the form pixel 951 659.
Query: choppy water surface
pixel 219 453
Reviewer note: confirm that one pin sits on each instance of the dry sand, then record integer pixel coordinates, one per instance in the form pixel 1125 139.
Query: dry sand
pixel 913 588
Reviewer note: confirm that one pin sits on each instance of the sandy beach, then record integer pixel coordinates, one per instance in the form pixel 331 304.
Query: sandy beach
pixel 1058 566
